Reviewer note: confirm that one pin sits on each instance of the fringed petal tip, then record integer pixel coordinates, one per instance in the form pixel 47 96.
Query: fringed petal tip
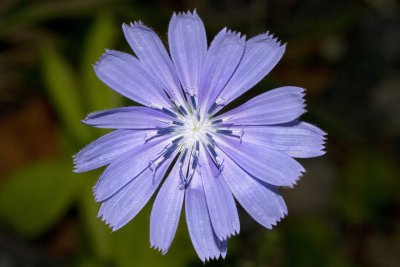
pixel 296 181
pixel 275 223
pixel 138 24
pixel 96 195
pixel 92 115
pixel 220 255
pixel 236 34
pixel 300 174
pixel 270 38
pixel 114 226
pixel 97 64
pixel 231 33
pixel 110 224
pixel 187 14
pixel 88 117
pixel 232 234
pixel 78 163
pixel 163 251
pixel 77 170
pixel 104 59
pixel 107 52
pixel 228 235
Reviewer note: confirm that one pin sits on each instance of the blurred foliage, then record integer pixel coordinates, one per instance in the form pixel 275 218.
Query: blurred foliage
pixel 64 92
pixel 367 188
pixel 346 53
pixel 38 196
pixel 100 37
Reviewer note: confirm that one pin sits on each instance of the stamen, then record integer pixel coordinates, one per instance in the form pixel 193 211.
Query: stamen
pixel 217 121
pixel 191 165
pixel 184 155
pixel 150 135
pixel 170 150
pixel 176 140
pixel 169 112
pixel 212 108
pixel 183 110
pixel 167 130
pixel 178 123
pixel 215 157
pixel 210 137
pixel 212 150
pixel 220 168
pixel 218 102
pixel 218 161
pixel 229 132
pixel 193 100
pixel 185 181
pixel 159 132
pixel 173 100
pixel 223 120
pixel 182 184
pixel 234 133
pixel 195 162
pixel 156 106
pixel 153 164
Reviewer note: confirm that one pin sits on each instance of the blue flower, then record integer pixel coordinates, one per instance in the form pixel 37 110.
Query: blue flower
pixel 209 159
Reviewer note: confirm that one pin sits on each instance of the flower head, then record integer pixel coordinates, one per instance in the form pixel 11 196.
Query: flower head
pixel 179 139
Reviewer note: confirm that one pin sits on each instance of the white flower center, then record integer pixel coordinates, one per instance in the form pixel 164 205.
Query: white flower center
pixel 195 129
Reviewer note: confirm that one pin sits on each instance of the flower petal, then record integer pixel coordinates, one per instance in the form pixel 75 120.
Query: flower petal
pixel 261 162
pixel 262 201
pixel 261 54
pixel 126 75
pixel 127 167
pixel 276 106
pixel 166 212
pixel 222 58
pixel 220 202
pixel 107 148
pixel 135 117
pixel 188 46
pixel 126 204
pixel 150 50
pixel 205 242
pixel 296 139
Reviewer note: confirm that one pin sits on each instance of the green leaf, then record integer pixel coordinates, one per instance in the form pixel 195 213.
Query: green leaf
pixel 101 36
pixel 63 92
pixel 35 198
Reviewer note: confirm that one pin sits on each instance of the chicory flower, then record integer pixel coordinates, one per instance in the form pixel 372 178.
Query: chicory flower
pixel 204 159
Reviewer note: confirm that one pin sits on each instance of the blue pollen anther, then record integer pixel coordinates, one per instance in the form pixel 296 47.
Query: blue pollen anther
pixel 193 100
pixel 184 181
pixel 169 112
pixel 225 131
pixel 183 110
pixel 212 108
pixel 217 121
pixel 178 123
pixel 212 150
pixel 163 131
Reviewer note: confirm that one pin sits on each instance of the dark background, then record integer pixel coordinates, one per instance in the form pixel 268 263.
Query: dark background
pixel 344 212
